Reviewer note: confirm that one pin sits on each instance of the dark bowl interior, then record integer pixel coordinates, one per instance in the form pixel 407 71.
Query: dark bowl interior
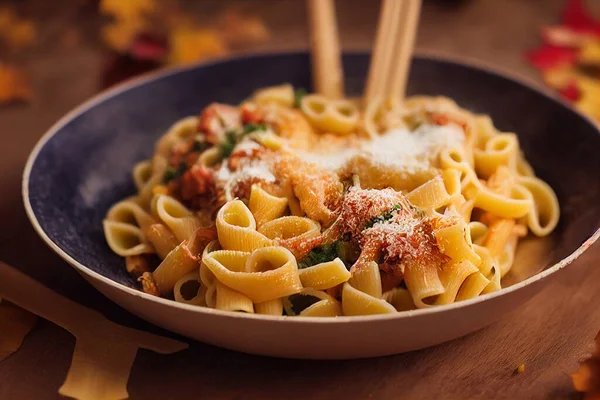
pixel 85 166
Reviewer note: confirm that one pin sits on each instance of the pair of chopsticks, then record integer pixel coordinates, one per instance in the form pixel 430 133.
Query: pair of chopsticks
pixel 390 61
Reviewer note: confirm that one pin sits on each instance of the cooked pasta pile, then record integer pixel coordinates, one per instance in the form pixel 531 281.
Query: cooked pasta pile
pixel 297 204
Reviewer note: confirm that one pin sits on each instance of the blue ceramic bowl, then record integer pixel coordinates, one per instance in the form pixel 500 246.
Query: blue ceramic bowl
pixel 83 164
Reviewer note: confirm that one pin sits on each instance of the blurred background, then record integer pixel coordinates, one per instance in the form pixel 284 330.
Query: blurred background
pixel 56 54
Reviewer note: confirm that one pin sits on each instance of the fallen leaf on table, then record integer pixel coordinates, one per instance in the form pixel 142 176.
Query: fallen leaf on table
pixel 188 45
pixel 129 19
pixel 562 36
pixel 15 324
pixel 590 53
pixel 589 102
pixel 587 378
pixel 14 85
pixel 569 58
pixel 161 33
pixel 16 32
pixel 127 10
pixel 119 36
pixel 576 17
pixel 240 29
pixel 149 47
pixel 570 91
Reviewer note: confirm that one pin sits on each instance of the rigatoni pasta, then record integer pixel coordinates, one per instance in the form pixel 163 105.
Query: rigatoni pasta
pixel 303 205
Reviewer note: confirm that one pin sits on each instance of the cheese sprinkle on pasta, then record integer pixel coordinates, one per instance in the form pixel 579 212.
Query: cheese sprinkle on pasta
pixel 362 212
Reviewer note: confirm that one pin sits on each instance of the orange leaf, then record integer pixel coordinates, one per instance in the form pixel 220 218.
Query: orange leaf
pixel 559 77
pixel 590 53
pixel 189 45
pixel 14 85
pixel 127 10
pixel 242 30
pixel 563 36
pixel 15 31
pixel 15 324
pixel 587 378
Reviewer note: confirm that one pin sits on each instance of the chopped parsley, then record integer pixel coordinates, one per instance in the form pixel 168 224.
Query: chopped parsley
pixel 320 254
pixel 298 95
pixel 233 137
pixel 297 303
pixel 382 218
pixel 174 173
pixel 228 144
pixel 252 128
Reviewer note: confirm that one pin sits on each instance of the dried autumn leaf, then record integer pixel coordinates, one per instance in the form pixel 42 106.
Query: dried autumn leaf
pixel 587 378
pixel 15 324
pixel 149 47
pixel 240 29
pixel 118 36
pixel 590 53
pixel 549 56
pixel 559 77
pixel 563 36
pixel 127 10
pixel 130 18
pixel 189 45
pixel 16 32
pixel 570 91
pixel 576 17
pixel 569 58
pixel 14 85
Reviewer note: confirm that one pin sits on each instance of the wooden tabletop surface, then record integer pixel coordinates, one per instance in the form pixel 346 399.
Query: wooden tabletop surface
pixel 549 334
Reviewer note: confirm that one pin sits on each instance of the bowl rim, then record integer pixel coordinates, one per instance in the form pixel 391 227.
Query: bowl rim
pixel 169 71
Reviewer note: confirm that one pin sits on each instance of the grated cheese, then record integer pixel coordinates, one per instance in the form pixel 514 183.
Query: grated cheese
pixel 398 148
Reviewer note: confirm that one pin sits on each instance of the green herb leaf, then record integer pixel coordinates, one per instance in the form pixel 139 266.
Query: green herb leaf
pixel 382 218
pixel 232 138
pixel 252 128
pixel 174 173
pixel 227 146
pixel 170 174
pixel 298 95
pixel 321 254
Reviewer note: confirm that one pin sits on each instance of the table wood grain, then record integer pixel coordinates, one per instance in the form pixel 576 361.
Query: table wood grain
pixel 549 334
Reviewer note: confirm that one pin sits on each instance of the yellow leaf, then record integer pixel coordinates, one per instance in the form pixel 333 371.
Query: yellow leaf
pixel 14 85
pixel 118 36
pixel 189 45
pixel 127 9
pixel 589 102
pixel 242 30
pixel 20 34
pixel 590 53
pixel 559 77
pixel 15 323
pixel 587 378
pixel 14 31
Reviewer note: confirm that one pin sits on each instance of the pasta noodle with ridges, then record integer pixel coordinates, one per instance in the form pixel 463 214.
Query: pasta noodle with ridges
pixel 305 205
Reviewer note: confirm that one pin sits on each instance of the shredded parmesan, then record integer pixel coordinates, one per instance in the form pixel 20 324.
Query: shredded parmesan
pixel 360 205
pixel 398 148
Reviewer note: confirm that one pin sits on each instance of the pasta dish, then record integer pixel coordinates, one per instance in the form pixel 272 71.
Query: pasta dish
pixel 296 204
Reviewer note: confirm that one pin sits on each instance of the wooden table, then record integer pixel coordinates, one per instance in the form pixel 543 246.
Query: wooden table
pixel 549 334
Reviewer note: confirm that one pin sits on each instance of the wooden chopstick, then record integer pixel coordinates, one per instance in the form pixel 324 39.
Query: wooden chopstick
pixel 405 43
pixel 326 63
pixel 389 19
pixel 394 44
